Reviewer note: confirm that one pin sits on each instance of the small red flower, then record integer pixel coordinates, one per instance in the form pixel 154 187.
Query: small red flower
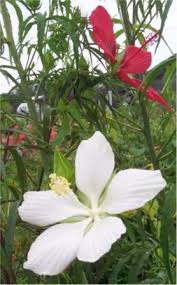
pixel 21 137
pixel 29 126
pixel 53 134
pixel 135 60
pixel 12 139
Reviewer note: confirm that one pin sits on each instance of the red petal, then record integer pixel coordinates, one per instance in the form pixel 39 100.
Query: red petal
pixel 103 33
pixel 30 126
pixel 21 137
pixel 135 60
pixel 14 127
pixel 131 81
pixel 151 93
pixel 11 141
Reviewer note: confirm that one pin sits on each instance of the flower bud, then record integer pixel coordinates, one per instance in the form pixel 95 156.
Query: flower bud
pixel 33 4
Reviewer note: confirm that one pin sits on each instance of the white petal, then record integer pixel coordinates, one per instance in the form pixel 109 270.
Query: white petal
pixel 131 189
pixel 100 238
pixel 94 166
pixel 44 208
pixel 55 248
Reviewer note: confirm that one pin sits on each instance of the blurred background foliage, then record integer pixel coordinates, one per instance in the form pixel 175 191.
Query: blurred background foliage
pixel 77 104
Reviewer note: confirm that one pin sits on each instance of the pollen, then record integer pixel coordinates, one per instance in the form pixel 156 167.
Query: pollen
pixel 59 184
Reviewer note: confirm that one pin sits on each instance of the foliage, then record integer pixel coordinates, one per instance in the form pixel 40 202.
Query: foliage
pixel 77 105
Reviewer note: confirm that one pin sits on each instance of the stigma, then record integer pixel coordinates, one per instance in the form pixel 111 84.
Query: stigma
pixel 59 184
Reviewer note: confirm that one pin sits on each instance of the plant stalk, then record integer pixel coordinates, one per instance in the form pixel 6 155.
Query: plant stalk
pixel 147 132
pixel 122 8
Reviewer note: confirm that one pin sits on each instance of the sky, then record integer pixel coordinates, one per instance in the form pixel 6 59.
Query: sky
pixel 86 7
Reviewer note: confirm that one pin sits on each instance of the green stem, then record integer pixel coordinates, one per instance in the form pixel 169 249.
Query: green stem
pixel 147 132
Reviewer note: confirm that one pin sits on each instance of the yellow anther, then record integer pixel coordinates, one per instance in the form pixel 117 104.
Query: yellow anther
pixel 59 184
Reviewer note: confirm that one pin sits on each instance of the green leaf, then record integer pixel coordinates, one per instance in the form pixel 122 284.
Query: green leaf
pixel 153 73
pixel 118 266
pixel 139 260
pixel 168 213
pixel 20 169
pixel 141 7
pixel 119 33
pixel 75 41
pixel 74 111
pixel 117 21
pixel 79 276
pixel 163 19
pixel 9 232
pixel 27 29
pixel 41 23
pixel 20 17
pixel 9 76
pixel 62 166
pixel 26 26
pixel 151 208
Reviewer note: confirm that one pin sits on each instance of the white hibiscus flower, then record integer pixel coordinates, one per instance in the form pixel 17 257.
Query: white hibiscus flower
pixel 93 235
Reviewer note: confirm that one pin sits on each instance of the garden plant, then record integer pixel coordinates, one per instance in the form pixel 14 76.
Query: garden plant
pixel 87 145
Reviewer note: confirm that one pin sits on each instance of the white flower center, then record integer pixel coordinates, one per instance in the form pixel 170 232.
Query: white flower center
pixel 94 214
pixel 59 184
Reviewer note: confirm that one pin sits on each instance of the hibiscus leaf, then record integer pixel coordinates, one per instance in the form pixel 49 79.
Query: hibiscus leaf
pixel 20 169
pixel 79 276
pixel 168 213
pixel 62 166
pixel 10 228
pixel 19 16
pixel 41 24
pixel 163 20
pixel 74 111
pixel 8 76
pixel 154 72
pixel 119 33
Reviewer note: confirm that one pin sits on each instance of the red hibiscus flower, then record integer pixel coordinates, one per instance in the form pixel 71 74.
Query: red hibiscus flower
pixel 135 60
